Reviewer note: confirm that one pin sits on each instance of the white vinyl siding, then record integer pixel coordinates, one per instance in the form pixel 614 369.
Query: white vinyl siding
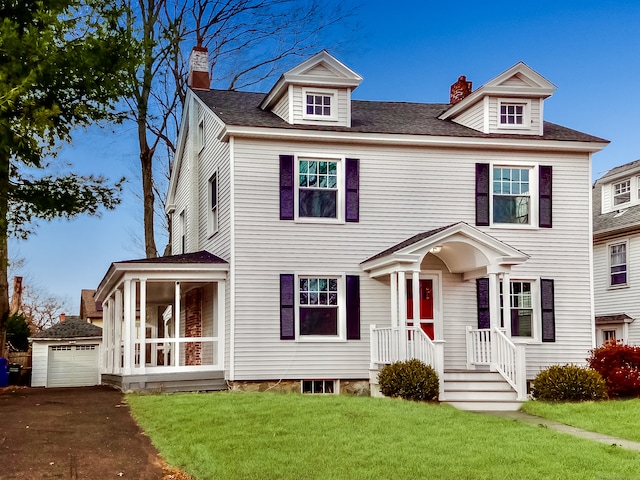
pixel 474 117
pixel 610 301
pixel 281 108
pixel 414 181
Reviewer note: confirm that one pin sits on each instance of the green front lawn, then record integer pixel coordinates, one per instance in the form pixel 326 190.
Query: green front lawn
pixel 620 418
pixel 288 436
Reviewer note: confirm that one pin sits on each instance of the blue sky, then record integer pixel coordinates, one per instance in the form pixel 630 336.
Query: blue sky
pixel 405 51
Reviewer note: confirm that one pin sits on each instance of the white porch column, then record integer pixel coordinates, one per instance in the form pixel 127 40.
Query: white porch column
pixel 143 324
pixel 176 319
pixel 394 299
pixel 117 337
pixel 132 323
pixel 106 334
pixel 415 286
pixel 220 321
pixel 494 312
pixel 127 336
pixel 402 313
pixel 506 303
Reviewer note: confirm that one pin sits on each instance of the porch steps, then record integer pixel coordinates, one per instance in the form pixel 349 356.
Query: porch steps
pixel 478 391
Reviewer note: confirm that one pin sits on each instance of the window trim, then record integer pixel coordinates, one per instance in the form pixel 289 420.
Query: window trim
pixel 325 381
pixel 341 307
pixel 626 284
pixel 534 193
pixel 325 92
pixel 536 311
pixel 213 211
pixel 526 114
pixel 182 231
pixel 201 135
pixel 340 188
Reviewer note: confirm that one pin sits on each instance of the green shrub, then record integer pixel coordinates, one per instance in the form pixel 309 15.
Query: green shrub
pixel 411 380
pixel 569 383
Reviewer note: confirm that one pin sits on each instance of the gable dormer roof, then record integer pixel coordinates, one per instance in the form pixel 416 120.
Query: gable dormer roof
pixel 321 70
pixel 519 81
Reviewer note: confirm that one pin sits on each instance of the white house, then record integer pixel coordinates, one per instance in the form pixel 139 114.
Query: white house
pixel 317 238
pixel 616 254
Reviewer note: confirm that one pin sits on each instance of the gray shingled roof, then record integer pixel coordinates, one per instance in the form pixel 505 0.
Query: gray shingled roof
pixel 197 257
pixel 72 327
pixel 242 109
pixel 409 241
pixel 624 219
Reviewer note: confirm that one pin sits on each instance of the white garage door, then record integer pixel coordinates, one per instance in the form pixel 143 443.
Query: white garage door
pixel 72 365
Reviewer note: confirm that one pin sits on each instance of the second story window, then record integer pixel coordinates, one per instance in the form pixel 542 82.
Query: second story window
pixel 511 195
pixel 212 218
pixel 622 192
pixel 318 194
pixel 618 264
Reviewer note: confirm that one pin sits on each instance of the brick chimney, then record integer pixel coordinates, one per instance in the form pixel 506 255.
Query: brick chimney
pixel 63 317
pixel 460 90
pixel 199 69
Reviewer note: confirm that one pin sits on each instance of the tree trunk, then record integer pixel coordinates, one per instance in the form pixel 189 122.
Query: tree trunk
pixel 148 201
pixel 4 254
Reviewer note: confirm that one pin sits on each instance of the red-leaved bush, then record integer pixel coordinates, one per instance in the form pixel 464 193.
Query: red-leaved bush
pixel 619 365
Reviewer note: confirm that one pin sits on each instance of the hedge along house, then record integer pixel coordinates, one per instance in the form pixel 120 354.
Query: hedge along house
pixel 344 235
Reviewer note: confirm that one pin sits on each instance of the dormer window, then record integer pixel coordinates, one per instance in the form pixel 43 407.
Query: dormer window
pixel 320 104
pixel 622 192
pixel 514 114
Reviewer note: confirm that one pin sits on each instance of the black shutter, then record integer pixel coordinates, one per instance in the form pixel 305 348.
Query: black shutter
pixel 286 187
pixel 352 193
pixel 482 194
pixel 353 307
pixel 484 313
pixel 287 307
pixel 548 310
pixel 545 188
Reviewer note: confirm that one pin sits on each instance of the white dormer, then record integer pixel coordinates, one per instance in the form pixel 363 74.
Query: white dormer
pixel 511 103
pixel 316 92
pixel 621 188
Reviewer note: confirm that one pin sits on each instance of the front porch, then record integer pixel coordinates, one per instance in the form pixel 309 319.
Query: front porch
pixel 163 323
pixel 484 365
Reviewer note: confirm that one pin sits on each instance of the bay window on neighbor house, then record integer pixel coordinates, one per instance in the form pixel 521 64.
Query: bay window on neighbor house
pixel 618 264
pixel 319 308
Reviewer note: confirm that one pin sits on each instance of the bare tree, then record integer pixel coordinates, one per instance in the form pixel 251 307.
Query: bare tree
pixel 41 309
pixel 248 41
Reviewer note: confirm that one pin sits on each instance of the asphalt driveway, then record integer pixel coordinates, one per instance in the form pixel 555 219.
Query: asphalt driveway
pixel 73 433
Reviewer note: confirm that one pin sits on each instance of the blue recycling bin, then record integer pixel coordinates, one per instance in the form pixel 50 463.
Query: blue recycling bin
pixel 4 373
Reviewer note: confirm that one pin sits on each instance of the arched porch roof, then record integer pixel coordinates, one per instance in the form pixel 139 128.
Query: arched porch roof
pixel 461 247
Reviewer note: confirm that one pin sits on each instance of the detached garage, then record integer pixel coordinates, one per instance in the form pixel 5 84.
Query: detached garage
pixel 67 355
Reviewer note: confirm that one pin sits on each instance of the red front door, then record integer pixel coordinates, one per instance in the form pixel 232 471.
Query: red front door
pixel 426 305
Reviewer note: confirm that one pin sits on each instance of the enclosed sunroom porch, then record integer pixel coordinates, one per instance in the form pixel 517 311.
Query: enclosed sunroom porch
pixel 163 323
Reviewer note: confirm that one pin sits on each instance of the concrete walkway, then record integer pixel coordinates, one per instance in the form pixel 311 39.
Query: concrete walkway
pixel 561 427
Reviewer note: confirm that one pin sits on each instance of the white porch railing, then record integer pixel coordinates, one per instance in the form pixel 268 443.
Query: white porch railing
pixel 492 347
pixel 395 344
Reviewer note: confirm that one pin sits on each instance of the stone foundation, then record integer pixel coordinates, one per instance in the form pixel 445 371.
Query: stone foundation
pixel 347 387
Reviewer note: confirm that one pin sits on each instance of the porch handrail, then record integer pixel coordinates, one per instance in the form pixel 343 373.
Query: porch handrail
pixel 509 360
pixel 493 348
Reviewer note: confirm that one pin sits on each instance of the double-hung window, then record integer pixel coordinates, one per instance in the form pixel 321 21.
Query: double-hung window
pixel 318 189
pixel 512 199
pixel 521 305
pixel 318 299
pixel 618 264
pixel 622 192
pixel 212 215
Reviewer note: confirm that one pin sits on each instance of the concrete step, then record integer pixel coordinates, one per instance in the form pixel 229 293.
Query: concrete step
pixel 479 395
pixel 487 385
pixel 492 406
pixel 479 390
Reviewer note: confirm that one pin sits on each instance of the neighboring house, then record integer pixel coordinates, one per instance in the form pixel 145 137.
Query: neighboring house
pixel 616 254
pixel 67 354
pixel 317 238
pixel 90 310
